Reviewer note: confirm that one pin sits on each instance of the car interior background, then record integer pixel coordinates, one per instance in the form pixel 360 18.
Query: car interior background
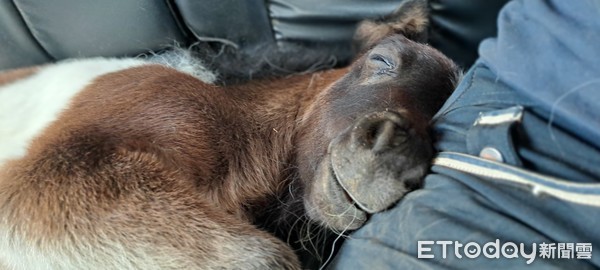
pixel 34 32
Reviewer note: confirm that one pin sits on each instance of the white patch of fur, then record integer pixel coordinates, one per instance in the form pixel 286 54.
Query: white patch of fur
pixel 243 253
pixel 29 105
pixel 18 254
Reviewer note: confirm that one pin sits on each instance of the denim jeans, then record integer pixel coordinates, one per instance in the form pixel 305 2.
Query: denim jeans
pixel 514 191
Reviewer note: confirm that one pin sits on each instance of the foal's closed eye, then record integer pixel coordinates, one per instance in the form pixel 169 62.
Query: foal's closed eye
pixel 382 61
pixel 382 64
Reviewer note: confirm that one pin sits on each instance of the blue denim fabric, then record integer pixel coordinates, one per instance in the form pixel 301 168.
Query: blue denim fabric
pixel 552 151
pixel 548 52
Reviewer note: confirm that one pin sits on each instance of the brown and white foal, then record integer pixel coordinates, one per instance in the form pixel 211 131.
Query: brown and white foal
pixel 129 164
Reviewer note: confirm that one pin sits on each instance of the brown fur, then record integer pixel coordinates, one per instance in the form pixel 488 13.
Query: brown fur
pixel 17 74
pixel 410 20
pixel 151 148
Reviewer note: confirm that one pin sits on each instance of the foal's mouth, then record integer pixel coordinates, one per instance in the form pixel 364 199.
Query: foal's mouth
pixel 339 185
pixel 349 216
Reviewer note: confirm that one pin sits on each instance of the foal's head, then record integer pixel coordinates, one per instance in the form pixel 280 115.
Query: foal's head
pixel 365 141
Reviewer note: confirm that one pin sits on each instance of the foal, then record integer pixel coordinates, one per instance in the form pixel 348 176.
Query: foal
pixel 126 164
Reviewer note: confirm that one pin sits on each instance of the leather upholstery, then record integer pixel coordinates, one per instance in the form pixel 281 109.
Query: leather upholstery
pixel 36 31
pixel 17 46
pixel 237 23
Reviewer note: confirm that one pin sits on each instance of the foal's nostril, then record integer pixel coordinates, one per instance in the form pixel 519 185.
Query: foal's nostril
pixel 380 131
pixel 389 135
pixel 383 138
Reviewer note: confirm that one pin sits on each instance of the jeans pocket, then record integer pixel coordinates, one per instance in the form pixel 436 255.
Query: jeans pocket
pixel 490 137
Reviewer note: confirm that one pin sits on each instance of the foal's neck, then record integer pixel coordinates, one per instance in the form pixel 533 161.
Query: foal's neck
pixel 270 117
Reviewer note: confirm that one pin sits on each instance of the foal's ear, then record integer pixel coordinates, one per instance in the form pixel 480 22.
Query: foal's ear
pixel 410 19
